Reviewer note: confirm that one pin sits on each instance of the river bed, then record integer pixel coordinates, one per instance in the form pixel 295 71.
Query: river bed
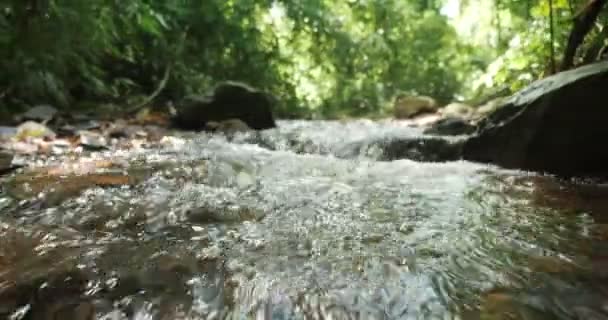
pixel 302 222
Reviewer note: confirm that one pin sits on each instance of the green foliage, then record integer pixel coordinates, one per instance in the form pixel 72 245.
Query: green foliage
pixel 526 53
pixel 320 57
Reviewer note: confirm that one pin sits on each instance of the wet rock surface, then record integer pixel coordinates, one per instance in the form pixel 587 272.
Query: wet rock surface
pixel 427 149
pixel 553 126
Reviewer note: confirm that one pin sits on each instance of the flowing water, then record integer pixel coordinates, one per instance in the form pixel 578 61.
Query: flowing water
pixel 305 222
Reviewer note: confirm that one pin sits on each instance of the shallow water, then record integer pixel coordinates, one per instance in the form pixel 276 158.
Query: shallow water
pixel 292 223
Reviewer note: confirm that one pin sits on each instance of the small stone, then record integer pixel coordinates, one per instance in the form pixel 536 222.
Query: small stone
pixel 92 141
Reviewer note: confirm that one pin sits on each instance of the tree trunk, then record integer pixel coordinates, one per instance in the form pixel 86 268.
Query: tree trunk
pixel 583 22
pixel 552 31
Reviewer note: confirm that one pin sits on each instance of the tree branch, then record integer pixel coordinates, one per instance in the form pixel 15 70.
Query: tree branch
pixel 583 22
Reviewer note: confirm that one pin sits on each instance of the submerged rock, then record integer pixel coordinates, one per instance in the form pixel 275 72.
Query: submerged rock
pixel 229 100
pixel 409 106
pixel 230 214
pixel 555 125
pixel 451 127
pixel 53 189
pixel 423 149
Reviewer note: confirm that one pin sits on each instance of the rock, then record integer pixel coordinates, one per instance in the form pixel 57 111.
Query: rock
pixel 457 109
pixel 41 113
pixel 54 189
pixel 409 106
pixel 229 100
pixel 208 214
pixel 555 125
pixel 423 149
pixel 450 127
pixel 92 141
pixel 31 129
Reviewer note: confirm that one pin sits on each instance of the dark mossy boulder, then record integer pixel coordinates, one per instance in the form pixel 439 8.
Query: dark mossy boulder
pixel 229 100
pixel 556 125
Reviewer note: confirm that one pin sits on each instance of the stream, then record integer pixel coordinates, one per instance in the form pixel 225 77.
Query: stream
pixel 306 221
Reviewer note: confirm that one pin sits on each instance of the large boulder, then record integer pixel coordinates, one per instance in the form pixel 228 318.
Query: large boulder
pixel 556 125
pixel 229 100
pixel 406 107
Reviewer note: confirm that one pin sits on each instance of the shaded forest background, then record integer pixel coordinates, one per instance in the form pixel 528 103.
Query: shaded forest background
pixel 321 58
